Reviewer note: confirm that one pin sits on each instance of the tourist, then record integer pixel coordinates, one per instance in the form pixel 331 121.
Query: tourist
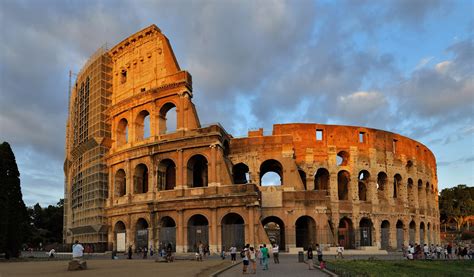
pixel 253 261
pixel 265 256
pixel 129 252
pixel 411 252
pixel 310 258
pixel 339 251
pixel 438 251
pixel 223 253
pixel 426 251
pixel 200 251
pixel 233 254
pixel 51 253
pixel 77 251
pixel 276 259
pixel 151 250
pixel 245 258
pixel 169 253
pixel 450 251
pixel 145 253
pixel 319 252
pixel 259 254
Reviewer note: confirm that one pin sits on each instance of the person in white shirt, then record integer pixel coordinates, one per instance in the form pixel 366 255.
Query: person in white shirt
pixel 77 250
pixel 339 251
pixel 275 254
pixel 426 251
pixel 233 254
pixel 51 253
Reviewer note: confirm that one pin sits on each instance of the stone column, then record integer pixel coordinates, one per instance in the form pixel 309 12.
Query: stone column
pixel 393 234
pixel 180 171
pixel 180 230
pixel 213 245
pixel 251 225
pixel 212 169
pixel 372 191
pixel 377 232
pixel 130 236
pixel 129 179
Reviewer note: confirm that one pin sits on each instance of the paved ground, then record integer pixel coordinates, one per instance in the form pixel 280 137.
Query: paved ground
pixel 288 267
pixel 103 267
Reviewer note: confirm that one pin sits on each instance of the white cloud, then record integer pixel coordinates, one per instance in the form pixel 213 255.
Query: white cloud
pixel 442 67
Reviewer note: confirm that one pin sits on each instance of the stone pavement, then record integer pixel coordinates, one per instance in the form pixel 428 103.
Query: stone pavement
pixel 288 267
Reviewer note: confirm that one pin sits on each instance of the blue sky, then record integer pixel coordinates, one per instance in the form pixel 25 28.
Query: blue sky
pixel 404 66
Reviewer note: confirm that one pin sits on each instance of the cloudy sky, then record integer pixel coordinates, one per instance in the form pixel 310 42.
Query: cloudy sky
pixel 405 66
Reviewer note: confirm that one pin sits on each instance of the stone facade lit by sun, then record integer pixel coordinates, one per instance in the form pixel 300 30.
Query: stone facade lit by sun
pixel 356 186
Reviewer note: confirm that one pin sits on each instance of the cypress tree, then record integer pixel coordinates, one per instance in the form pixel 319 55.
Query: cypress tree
pixel 13 212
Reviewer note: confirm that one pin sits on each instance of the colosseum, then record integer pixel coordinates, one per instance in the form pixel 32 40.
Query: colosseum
pixel 142 170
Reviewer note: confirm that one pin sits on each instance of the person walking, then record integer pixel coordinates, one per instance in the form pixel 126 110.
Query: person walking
pixel 233 254
pixel 310 258
pixel 129 252
pixel 259 254
pixel 151 250
pixel 276 258
pixel 253 260
pixel 339 251
pixel 319 252
pixel 265 256
pixel 245 259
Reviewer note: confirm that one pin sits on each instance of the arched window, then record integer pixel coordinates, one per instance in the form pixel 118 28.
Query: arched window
pixel 321 179
pixel 142 125
pixel 168 118
pixel 397 179
pixel 271 173
pixel 140 179
pixel 197 171
pixel 120 183
pixel 343 178
pixel 381 181
pixel 342 158
pixel 122 132
pixel 364 176
pixel 166 175
pixel 303 177
pixel 240 172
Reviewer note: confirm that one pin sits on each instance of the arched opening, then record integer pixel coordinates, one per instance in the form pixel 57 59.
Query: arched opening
pixel 140 179
pixel 400 238
pixel 412 231
pixel 142 125
pixel 321 179
pixel 381 181
pixel 120 236
pixel 345 233
pixel 428 231
pixel 422 233
pixel 303 177
pixel 365 227
pixel 233 231
pixel 411 192
pixel 363 184
pixel 240 173
pixel 271 173
pixel 397 179
pixel 141 237
pixel 168 118
pixel 275 229
pixel 420 184
pixel 166 175
pixel 343 179
pixel 197 171
pixel 198 232
pixel 226 148
pixel 385 234
pixel 122 132
pixel 342 158
pixel 120 183
pixel 305 229
pixel 167 232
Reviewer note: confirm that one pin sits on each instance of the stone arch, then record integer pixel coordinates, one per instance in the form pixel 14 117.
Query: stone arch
pixel 428 232
pixel 197 171
pixel 198 232
pixel 167 232
pixel 120 236
pixel 305 230
pixel 397 180
pixel 385 234
pixel 141 233
pixel 302 174
pixel 366 228
pixel 120 182
pixel 411 192
pixel 122 132
pixel 422 233
pixel 142 125
pixel 166 174
pixel 400 234
pixel 240 172
pixel 342 158
pixel 346 236
pixel 343 179
pixel 271 166
pixel 321 179
pixel 381 181
pixel 363 184
pixel 232 231
pixel 275 229
pixel 140 179
pixel 166 120
pixel 412 232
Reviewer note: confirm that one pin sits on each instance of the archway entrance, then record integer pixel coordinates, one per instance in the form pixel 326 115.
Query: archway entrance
pixel 197 171
pixel 400 238
pixel 305 230
pixel 385 234
pixel 233 231
pixel 412 232
pixel 141 237
pixel 120 236
pixel 168 232
pixel 366 227
pixel 422 233
pixel 345 233
pixel 275 229
pixel 198 232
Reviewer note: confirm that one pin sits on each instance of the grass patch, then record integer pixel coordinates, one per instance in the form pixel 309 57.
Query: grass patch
pixel 401 268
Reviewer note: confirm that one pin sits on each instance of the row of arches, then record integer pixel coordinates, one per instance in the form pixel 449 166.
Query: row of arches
pixel 197 170
pixel 167 117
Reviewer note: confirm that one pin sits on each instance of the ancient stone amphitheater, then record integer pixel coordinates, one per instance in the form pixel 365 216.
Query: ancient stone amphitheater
pixel 165 178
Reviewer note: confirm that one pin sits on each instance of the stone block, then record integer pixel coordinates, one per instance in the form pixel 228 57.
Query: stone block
pixel 77 265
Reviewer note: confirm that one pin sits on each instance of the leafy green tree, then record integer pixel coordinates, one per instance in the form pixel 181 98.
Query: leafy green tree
pixel 46 224
pixel 456 203
pixel 13 214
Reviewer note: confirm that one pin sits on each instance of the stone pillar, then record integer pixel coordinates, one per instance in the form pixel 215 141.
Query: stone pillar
pixel 393 234
pixel 111 187
pixel 129 179
pixel 180 171
pixel 213 245
pixel 372 191
pixel 212 168
pixel 180 230
pixel 333 186
pixel 251 225
pixel 353 188
pixel 290 235
pixel 377 233
pixel 154 176
pixel 130 235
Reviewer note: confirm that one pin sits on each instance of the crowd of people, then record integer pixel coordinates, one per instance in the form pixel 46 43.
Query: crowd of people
pixel 439 252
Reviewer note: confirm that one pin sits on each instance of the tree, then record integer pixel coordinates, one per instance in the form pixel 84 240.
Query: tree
pixel 46 224
pixel 13 213
pixel 456 203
